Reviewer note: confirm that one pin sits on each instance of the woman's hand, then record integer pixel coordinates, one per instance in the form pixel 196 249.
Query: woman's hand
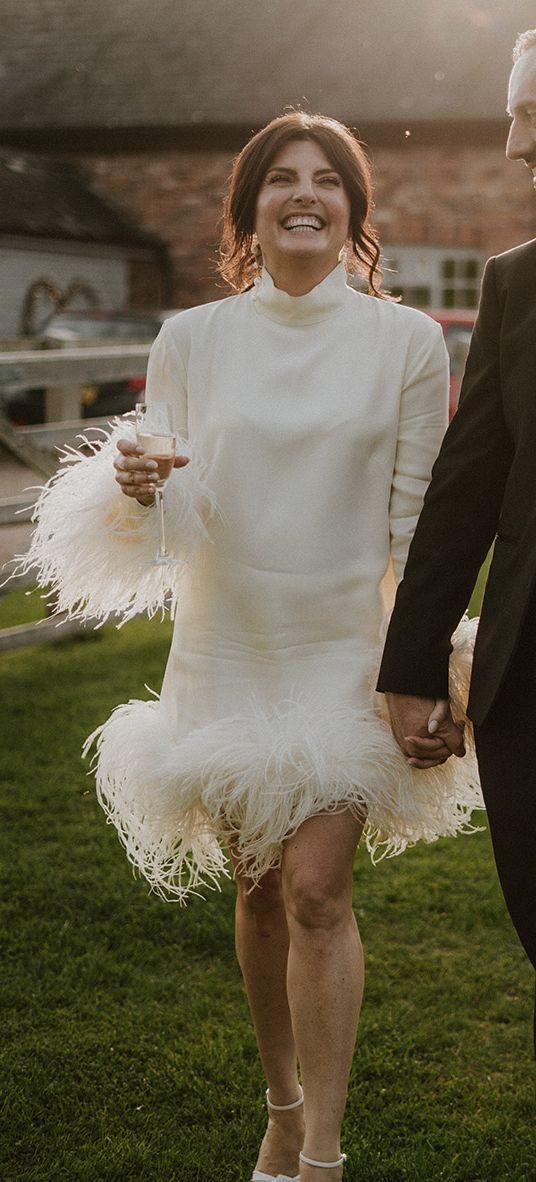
pixel 136 473
pixel 424 729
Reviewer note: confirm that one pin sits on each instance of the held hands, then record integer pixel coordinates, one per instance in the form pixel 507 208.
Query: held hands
pixel 424 729
pixel 136 474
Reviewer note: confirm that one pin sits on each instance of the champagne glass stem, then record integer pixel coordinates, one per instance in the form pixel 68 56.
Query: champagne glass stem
pixel 162 549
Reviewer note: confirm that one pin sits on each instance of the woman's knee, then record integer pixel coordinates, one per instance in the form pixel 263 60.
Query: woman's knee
pixel 262 901
pixel 316 901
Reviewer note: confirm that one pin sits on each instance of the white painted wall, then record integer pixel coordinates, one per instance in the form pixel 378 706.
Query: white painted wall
pixel 105 269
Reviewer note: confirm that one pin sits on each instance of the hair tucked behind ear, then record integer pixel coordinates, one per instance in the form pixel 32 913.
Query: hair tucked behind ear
pixel 239 256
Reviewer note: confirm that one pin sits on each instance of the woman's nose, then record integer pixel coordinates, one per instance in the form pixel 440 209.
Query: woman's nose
pixel 304 190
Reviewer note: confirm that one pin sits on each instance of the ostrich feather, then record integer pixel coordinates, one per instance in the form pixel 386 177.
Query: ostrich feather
pixel 254 777
pixel 92 547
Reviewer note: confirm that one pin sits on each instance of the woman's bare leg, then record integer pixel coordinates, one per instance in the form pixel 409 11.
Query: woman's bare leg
pixel 325 975
pixel 262 951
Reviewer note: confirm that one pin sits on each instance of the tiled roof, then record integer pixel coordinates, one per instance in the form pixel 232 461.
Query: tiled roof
pixel 186 63
pixel 48 199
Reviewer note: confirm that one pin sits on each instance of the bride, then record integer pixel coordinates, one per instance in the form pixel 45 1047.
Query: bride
pixel 308 415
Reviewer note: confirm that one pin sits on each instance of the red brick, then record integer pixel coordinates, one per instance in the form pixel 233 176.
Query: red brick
pixel 444 195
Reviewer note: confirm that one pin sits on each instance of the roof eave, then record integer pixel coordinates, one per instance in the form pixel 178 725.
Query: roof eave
pixel 230 136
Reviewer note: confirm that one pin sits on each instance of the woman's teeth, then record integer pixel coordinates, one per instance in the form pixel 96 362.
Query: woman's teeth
pixel 303 223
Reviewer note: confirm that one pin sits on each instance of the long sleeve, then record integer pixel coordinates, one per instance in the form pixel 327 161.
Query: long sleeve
pixel 458 522
pixel 167 379
pixel 93 547
pixel 422 425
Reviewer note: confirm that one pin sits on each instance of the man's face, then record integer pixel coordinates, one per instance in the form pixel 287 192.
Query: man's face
pixel 521 143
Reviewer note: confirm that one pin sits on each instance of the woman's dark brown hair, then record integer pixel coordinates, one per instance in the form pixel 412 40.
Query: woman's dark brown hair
pixel 238 259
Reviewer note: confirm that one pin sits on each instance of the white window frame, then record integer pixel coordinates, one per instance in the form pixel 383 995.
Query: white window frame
pixel 418 273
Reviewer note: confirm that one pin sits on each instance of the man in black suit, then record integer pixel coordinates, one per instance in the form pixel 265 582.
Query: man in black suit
pixel 484 487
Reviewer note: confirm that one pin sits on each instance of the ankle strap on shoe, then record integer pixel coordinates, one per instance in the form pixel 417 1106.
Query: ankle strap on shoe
pixel 283 1107
pixel 323 1165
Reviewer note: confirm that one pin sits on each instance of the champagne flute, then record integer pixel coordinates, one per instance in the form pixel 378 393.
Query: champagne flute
pixel 154 432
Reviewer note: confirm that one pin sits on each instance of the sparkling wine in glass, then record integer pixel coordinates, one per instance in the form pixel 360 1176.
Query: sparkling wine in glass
pixel 154 432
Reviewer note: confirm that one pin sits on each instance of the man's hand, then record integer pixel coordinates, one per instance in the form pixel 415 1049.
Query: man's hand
pixel 424 729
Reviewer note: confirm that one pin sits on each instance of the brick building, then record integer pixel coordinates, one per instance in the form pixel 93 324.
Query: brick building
pixel 152 101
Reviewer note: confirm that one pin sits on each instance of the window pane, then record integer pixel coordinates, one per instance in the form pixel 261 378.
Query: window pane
pixel 468 298
pixel 419 296
pixel 448 268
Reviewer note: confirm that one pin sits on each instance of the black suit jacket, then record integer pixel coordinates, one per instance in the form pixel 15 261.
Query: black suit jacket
pixel 483 484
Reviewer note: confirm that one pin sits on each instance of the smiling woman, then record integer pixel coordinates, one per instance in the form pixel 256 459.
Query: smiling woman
pixel 313 413
pixel 315 165
pixel 302 216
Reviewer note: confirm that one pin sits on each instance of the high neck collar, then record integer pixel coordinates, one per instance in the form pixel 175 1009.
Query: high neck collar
pixel 323 301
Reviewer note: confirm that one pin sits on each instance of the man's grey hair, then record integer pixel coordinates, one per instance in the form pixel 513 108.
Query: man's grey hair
pixel 524 41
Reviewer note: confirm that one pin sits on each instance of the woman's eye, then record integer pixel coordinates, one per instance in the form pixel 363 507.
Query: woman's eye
pixel 284 178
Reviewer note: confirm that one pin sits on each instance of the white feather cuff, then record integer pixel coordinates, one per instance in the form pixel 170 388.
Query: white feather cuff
pixel 93 547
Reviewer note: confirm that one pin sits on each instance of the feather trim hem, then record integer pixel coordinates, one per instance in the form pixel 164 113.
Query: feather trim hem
pixel 252 779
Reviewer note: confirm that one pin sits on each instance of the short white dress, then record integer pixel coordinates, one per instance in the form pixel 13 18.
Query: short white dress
pixel 312 423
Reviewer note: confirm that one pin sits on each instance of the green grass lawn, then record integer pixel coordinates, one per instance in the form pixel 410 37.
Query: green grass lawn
pixel 21 605
pixel 127 1049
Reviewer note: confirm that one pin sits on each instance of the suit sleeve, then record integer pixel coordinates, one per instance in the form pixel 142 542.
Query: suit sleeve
pixel 458 521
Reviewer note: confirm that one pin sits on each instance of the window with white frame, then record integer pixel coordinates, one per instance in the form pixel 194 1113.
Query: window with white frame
pixel 432 276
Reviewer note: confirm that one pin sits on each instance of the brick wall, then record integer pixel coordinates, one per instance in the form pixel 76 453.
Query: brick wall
pixel 147 285
pixel 454 196
pixel 467 196
pixel 176 194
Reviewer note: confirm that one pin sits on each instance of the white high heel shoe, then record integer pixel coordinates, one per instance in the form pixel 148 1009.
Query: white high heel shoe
pixel 323 1165
pixel 258 1175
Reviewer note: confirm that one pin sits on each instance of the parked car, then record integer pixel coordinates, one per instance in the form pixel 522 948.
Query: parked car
pixel 457 328
pixel 89 326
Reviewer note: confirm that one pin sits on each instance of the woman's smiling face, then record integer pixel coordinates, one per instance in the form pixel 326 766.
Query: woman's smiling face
pixel 302 212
